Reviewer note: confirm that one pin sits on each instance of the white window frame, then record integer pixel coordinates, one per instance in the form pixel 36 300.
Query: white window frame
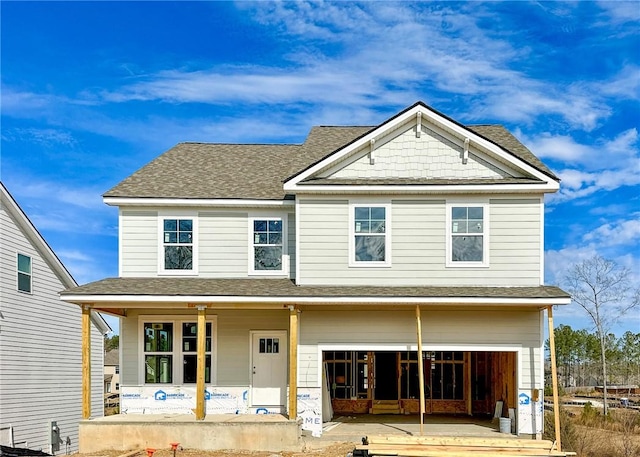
pixel 29 274
pixel 177 353
pixel 450 263
pixel 162 216
pixel 284 219
pixel 387 234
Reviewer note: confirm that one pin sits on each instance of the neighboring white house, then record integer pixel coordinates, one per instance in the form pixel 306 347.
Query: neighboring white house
pixel 307 268
pixel 40 341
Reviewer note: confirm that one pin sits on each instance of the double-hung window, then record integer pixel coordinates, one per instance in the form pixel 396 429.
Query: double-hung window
pixel 170 350
pixel 267 245
pixel 370 243
pixel 24 273
pixel 467 235
pixel 177 254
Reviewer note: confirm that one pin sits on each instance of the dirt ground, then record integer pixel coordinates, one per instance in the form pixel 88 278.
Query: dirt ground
pixel 329 450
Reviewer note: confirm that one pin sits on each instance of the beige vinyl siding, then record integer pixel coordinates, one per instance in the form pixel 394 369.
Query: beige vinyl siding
pixel 234 343
pixel 40 349
pixel 418 245
pixel 139 243
pixel 291 244
pixel 233 350
pixel 221 241
pixel 463 329
pixel 223 248
pixel 129 358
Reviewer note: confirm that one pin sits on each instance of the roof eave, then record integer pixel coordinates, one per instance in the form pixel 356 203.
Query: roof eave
pixel 230 202
pixel 147 301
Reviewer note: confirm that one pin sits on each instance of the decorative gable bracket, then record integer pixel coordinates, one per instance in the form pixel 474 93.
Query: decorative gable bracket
pixel 465 152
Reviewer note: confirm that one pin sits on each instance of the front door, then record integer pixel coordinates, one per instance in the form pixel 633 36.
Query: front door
pixel 269 368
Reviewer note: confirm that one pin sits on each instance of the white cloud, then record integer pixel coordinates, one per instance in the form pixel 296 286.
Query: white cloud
pixel 46 136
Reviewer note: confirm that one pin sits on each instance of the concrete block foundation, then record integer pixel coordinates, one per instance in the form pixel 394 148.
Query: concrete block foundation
pixel 271 432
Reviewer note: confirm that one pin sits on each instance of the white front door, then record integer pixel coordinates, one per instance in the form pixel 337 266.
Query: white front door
pixel 269 368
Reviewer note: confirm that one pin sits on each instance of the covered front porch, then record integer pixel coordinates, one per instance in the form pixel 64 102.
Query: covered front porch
pixel 217 338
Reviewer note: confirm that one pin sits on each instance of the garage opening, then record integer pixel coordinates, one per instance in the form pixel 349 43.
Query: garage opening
pixel 387 382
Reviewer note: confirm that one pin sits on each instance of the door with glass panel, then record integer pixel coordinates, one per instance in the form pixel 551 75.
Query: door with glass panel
pixel 269 368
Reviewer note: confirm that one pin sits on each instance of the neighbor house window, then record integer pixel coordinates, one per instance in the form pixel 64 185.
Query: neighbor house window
pixel 170 350
pixel 370 232
pixel 267 245
pixel 178 244
pixel 467 235
pixel 24 273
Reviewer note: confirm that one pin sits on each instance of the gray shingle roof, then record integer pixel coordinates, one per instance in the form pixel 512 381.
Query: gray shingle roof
pixel 257 287
pixel 112 357
pixel 257 171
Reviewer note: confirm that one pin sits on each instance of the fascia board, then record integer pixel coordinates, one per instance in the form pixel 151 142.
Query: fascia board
pixel 434 118
pixel 160 299
pixel 548 187
pixel 236 202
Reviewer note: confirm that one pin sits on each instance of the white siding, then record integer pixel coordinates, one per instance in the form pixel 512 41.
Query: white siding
pixel 418 244
pixel 138 243
pixel 40 350
pixel 223 244
pixel 463 329
pixel 222 240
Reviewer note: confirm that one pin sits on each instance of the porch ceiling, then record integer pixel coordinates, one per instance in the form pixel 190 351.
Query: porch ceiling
pixel 116 294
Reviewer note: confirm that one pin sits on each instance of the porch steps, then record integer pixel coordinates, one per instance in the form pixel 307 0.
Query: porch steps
pixel 385 407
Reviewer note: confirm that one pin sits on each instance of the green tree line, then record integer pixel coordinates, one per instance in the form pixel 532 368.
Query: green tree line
pixel 579 363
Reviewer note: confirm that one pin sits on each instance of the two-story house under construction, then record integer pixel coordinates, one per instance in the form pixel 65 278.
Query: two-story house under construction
pixel 262 278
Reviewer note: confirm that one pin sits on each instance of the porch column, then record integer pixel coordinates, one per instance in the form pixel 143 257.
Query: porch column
pixel 420 368
pixel 86 361
pixel 293 362
pixel 554 378
pixel 202 337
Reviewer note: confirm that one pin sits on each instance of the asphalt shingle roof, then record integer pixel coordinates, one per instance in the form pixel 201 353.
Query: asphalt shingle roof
pixel 258 287
pixel 257 171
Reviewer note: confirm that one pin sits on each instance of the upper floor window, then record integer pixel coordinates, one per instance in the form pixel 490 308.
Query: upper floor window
pixel 370 232
pixel 178 249
pixel 467 235
pixel 267 245
pixel 24 273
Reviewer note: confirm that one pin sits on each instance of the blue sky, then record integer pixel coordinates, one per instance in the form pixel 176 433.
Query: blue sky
pixel 92 91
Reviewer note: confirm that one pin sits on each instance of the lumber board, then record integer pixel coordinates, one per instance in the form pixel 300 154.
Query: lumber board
pixel 381 449
pixel 459 441
pixel 374 452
